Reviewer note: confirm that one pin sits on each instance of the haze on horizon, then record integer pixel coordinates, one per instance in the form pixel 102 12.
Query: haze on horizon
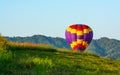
pixel 52 17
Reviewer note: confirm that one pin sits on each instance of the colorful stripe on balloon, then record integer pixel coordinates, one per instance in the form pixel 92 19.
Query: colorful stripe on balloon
pixel 79 36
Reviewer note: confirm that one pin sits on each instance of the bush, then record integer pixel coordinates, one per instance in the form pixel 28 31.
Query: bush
pixel 3 42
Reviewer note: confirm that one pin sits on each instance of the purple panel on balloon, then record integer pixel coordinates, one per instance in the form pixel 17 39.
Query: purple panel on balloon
pixel 68 37
pixel 86 37
pixel 90 37
pixel 80 37
pixel 73 37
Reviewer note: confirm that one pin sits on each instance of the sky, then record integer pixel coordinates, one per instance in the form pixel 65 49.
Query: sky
pixel 52 17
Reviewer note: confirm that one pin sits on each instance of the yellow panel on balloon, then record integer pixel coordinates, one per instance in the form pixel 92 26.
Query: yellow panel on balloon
pixel 79 41
pixel 79 33
pixel 86 31
pixel 85 43
pixel 69 29
pixel 73 31
pixel 73 44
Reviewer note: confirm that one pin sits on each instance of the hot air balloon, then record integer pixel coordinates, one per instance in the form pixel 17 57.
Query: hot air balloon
pixel 79 36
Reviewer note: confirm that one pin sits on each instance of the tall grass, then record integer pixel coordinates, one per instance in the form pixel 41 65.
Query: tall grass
pixel 29 46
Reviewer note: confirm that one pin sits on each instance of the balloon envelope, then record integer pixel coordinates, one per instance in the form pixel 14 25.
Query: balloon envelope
pixel 79 36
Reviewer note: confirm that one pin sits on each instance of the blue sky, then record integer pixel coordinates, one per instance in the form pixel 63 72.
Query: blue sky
pixel 51 17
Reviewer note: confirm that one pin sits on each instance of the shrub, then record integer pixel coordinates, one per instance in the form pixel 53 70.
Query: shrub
pixel 3 42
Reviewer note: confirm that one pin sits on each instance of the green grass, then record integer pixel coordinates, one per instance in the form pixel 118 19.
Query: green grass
pixel 45 60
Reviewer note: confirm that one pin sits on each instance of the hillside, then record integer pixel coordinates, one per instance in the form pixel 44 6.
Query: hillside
pixel 38 59
pixel 37 39
pixel 104 46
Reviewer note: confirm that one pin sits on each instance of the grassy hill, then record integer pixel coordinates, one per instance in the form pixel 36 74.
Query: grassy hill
pixel 38 59
pixel 104 46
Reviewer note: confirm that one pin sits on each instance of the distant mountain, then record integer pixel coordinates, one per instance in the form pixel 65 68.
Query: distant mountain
pixel 104 46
